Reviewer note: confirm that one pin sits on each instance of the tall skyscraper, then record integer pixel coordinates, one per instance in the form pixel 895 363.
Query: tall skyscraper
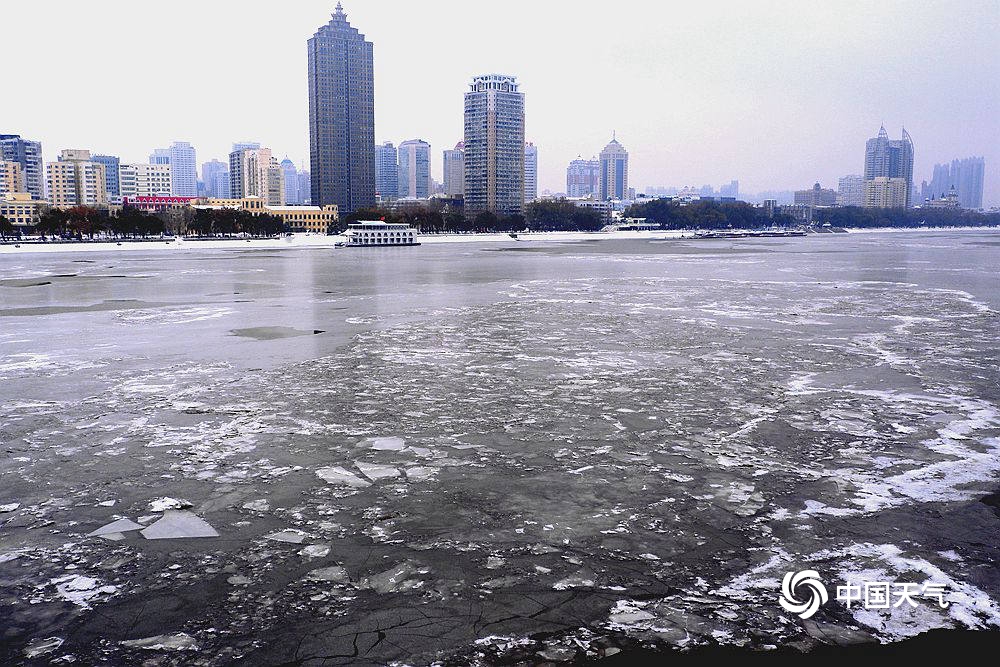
pixel 215 176
pixel 613 177
pixel 29 155
pixel 415 169
pixel 76 180
pixel 851 190
pixel 111 165
pixel 494 146
pixel 386 172
pixel 184 168
pixel 530 172
pixel 454 170
pixel 582 177
pixel 890 158
pixel 341 116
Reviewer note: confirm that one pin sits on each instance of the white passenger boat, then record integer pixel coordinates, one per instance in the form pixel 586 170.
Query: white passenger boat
pixel 380 233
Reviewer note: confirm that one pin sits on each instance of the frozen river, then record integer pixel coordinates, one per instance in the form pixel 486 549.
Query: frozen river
pixel 491 451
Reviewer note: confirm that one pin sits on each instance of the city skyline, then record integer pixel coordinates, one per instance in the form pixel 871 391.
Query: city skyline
pixel 779 116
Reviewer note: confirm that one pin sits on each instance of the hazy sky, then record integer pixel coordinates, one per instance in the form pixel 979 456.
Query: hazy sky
pixel 776 94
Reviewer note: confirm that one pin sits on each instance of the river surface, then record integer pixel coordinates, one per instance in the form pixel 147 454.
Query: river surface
pixel 480 453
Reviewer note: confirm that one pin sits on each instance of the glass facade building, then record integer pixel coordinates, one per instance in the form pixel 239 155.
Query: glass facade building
pixel 341 116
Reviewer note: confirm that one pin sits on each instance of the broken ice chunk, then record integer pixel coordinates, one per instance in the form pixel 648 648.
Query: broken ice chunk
pixel 39 647
pixel 177 524
pixel 79 589
pixel 290 535
pixel 9 508
pixel 315 551
pixel 388 444
pixel 420 473
pixel 163 504
pixel 335 574
pixel 338 475
pixel 375 472
pixel 180 641
pixel 119 526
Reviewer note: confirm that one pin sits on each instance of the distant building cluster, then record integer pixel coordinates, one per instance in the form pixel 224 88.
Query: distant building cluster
pixel 493 169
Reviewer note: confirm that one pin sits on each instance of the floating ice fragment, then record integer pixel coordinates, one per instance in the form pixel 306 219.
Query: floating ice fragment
pixel 180 641
pixel 290 535
pixel 376 472
pixel 335 574
pixel 257 505
pixel 389 444
pixel 107 503
pixel 420 473
pixel 315 551
pixel 39 647
pixel 9 508
pixel 119 526
pixel 177 524
pixel 165 503
pixel 79 589
pixel 338 475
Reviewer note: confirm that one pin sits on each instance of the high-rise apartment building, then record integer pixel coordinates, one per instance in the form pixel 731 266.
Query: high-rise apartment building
pixel 851 190
pixel 494 146
pixel 29 155
pixel 414 169
pixel 582 177
pixel 530 172
pixel 111 167
pixel 275 183
pixel 11 177
pixel 250 173
pixel 145 180
pixel 184 165
pixel 613 175
pixel 76 180
pixel 341 116
pixel 454 170
pixel 215 176
pixel 386 172
pixel 889 158
pixel 883 192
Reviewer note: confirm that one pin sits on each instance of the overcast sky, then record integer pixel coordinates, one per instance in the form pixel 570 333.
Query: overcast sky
pixel 775 94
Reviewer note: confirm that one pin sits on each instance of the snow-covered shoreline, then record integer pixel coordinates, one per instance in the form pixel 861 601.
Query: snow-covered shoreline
pixel 324 241
pixel 316 241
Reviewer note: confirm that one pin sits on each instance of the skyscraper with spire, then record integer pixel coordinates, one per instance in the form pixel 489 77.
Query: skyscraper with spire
pixel 341 116
pixel 890 158
pixel 613 175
